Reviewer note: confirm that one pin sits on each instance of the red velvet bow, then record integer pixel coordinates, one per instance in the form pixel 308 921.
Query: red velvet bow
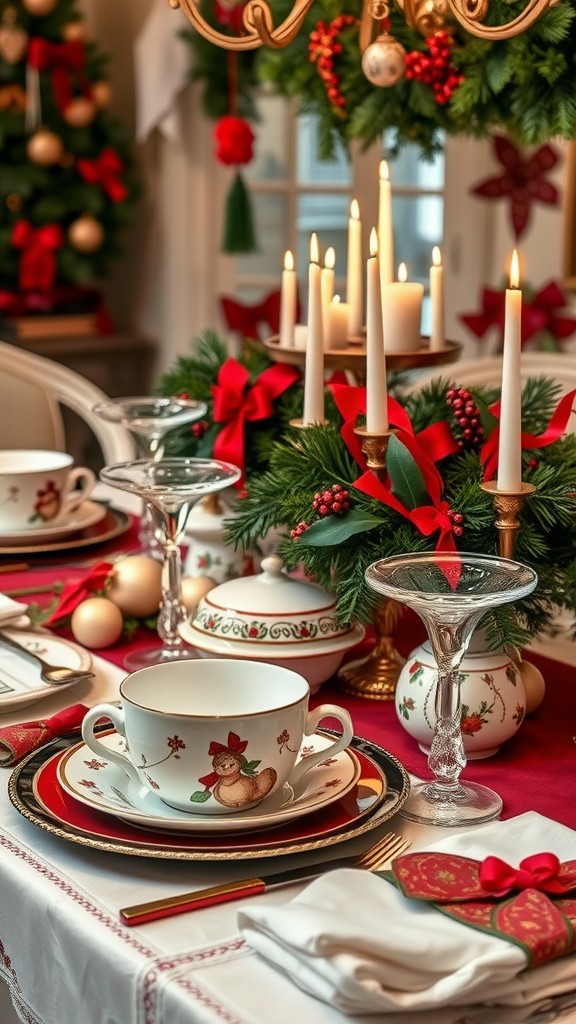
pixel 76 591
pixel 522 181
pixel 235 403
pixel 245 320
pixel 64 61
pixel 38 263
pixel 18 740
pixel 476 893
pixel 234 745
pixel 553 432
pixel 105 171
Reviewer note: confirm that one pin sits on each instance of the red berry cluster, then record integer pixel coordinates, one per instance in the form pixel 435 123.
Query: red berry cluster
pixel 298 530
pixel 467 416
pixel 434 68
pixel 457 520
pixel 334 501
pixel 199 428
pixel 323 47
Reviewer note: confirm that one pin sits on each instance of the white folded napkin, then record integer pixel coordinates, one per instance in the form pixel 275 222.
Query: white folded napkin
pixel 12 613
pixel 353 940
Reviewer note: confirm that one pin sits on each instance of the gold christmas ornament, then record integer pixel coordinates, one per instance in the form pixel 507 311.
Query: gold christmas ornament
pixel 96 623
pixel 39 8
pixel 101 94
pixel 73 31
pixel 14 202
pixel 86 234
pixel 13 38
pixel 135 585
pixel 383 61
pixel 45 148
pixel 193 588
pixel 80 112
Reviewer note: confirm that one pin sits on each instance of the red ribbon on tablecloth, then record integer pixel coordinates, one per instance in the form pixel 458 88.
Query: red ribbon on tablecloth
pixel 236 402
pixel 245 320
pixel 18 740
pixel 105 171
pixel 553 432
pixel 491 895
pixel 76 591
pixel 66 61
pixel 37 268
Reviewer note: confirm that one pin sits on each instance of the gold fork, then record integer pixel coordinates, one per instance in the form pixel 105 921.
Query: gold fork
pixel 389 846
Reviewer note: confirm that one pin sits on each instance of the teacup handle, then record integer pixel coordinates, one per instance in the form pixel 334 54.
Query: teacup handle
pixel 73 496
pixel 313 720
pixel 116 716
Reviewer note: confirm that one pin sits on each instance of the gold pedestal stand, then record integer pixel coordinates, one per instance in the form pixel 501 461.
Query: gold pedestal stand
pixel 507 506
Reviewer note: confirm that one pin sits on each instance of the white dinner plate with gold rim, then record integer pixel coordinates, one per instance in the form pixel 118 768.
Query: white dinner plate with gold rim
pixel 20 682
pixel 103 786
pixel 89 513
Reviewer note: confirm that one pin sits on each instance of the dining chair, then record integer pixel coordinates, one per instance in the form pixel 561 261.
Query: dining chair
pixel 34 391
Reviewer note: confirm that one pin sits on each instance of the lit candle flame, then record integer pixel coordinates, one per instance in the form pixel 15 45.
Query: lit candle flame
pixel 384 172
pixel 402 273
pixel 354 210
pixel 514 271
pixel 436 256
pixel 314 249
pixel 330 258
pixel 373 242
pixel 335 300
pixel 288 260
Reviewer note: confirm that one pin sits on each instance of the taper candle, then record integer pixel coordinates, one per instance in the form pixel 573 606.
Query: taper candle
pixel 385 225
pixel 327 284
pixel 402 313
pixel 437 334
pixel 354 271
pixel 376 389
pixel 510 444
pixel 314 362
pixel 288 301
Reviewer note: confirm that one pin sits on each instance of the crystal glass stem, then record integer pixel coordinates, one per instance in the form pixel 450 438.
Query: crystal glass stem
pixel 172 612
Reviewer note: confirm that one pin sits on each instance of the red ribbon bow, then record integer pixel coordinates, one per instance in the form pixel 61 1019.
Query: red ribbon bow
pixel 76 591
pixel 38 263
pixel 64 61
pixel 245 320
pixel 18 740
pixel 236 403
pixel 553 432
pixel 538 315
pixel 476 893
pixel 234 745
pixel 105 171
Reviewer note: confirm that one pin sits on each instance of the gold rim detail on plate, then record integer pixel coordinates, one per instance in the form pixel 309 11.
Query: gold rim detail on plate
pixel 114 524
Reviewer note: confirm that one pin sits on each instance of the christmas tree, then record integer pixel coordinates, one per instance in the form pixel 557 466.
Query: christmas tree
pixel 67 185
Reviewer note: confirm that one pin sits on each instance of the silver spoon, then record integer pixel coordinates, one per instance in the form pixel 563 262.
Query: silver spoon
pixel 55 675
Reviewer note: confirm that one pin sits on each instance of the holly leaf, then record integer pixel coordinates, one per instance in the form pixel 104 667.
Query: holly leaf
pixel 488 420
pixel 335 530
pixel 250 767
pixel 200 796
pixel 405 475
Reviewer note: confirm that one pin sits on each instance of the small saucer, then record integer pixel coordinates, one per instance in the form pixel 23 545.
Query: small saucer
pixel 20 682
pixel 104 787
pixel 89 513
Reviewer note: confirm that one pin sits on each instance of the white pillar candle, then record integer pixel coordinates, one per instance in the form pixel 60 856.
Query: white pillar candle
pixel 336 333
pixel 288 301
pixel 437 335
pixel 314 362
pixel 327 285
pixel 385 226
pixel 354 272
pixel 402 313
pixel 510 444
pixel 376 389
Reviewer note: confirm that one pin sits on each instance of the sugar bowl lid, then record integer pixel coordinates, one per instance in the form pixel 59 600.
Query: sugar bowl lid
pixel 271 592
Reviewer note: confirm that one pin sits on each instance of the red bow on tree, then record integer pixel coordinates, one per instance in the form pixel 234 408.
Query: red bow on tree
pixel 65 61
pixel 236 403
pixel 105 171
pixel 511 903
pixel 38 263
pixel 553 432
pixel 76 591
pixel 522 181
pixel 245 320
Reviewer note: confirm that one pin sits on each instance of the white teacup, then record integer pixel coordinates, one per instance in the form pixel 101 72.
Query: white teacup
pixel 40 488
pixel 214 736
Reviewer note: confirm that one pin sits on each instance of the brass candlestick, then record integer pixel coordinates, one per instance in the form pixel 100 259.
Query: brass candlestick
pixel 374 447
pixel 507 506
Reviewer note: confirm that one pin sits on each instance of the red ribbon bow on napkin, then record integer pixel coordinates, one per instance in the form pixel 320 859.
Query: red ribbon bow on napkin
pixel 38 263
pixel 245 320
pixel 64 61
pixel 491 895
pixel 18 740
pixel 236 403
pixel 105 171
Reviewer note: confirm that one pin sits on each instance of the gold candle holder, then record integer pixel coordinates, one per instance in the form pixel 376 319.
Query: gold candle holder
pixel 507 506
pixel 374 447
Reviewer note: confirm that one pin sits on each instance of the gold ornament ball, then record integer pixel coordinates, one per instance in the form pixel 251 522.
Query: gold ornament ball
pixel 45 148
pixel 86 234
pixel 80 112
pixel 193 588
pixel 534 684
pixel 39 8
pixel 135 585
pixel 97 623
pixel 73 31
pixel 101 94
pixel 13 38
pixel 383 61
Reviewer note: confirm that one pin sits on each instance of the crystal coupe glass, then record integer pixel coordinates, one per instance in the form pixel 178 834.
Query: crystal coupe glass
pixel 450 591
pixel 171 486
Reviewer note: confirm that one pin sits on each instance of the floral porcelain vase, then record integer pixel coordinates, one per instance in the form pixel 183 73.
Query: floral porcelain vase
pixel 493 697
pixel 208 553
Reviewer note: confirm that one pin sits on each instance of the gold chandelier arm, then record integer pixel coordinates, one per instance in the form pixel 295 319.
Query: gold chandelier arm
pixel 373 11
pixel 258 22
pixel 469 12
